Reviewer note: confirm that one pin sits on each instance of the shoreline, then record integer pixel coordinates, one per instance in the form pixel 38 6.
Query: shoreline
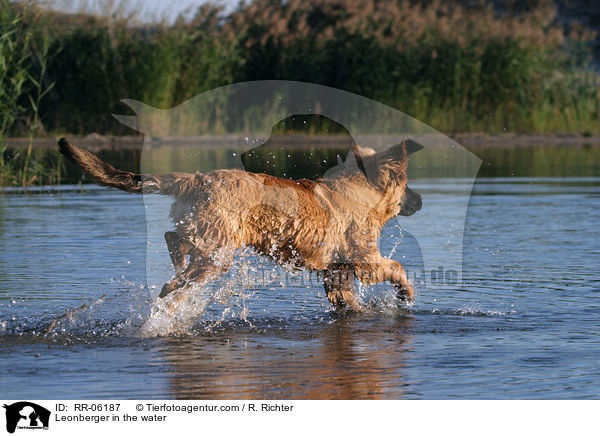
pixel 97 142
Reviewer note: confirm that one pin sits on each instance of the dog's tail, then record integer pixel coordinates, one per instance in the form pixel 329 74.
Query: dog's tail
pixel 107 175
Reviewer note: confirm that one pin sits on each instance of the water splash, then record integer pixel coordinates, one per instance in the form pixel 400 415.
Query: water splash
pixel 179 312
pixel 255 294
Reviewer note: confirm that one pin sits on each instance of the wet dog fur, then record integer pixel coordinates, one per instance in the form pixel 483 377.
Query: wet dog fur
pixel 331 225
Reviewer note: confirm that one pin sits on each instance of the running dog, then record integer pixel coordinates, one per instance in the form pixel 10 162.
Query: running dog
pixel 331 225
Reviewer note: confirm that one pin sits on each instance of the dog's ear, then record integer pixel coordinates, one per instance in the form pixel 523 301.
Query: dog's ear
pixel 389 164
pixel 363 151
pixel 360 154
pixel 404 149
pixel 411 146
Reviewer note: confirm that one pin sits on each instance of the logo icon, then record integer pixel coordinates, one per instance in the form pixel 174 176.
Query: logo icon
pixel 242 118
pixel 26 415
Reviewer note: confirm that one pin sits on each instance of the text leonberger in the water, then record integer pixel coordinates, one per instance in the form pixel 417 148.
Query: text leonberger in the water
pixel 331 225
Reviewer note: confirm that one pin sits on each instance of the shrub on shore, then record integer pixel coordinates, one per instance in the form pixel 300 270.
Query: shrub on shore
pixel 458 68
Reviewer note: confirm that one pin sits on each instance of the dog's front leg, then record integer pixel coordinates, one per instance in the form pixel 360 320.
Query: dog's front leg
pixel 178 249
pixel 339 285
pixel 382 269
pixel 201 269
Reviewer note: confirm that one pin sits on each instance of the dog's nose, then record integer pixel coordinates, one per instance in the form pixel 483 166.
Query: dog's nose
pixel 411 203
pixel 418 201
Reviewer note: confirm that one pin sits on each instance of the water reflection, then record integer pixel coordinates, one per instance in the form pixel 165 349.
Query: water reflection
pixel 350 358
pixel 318 152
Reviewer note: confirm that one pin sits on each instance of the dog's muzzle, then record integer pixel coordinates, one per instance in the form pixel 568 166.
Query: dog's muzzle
pixel 411 202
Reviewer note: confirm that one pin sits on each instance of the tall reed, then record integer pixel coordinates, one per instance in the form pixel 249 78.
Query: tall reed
pixel 23 85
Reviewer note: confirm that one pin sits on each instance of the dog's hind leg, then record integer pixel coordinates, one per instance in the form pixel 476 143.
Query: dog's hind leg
pixel 382 269
pixel 339 285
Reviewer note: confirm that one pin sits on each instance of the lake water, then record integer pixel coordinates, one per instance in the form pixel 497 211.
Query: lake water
pixel 523 323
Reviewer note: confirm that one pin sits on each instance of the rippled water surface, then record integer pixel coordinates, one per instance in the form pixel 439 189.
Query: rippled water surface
pixel 524 322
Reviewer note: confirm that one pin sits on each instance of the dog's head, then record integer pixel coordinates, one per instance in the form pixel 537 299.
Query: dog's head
pixel 386 171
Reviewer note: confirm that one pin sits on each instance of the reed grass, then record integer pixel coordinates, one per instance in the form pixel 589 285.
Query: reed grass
pixel 454 67
pixel 23 86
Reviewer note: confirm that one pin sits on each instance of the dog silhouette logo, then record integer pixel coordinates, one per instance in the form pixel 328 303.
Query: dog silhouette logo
pixel 274 129
pixel 26 415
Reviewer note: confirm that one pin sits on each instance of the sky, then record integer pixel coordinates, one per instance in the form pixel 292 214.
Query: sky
pixel 146 10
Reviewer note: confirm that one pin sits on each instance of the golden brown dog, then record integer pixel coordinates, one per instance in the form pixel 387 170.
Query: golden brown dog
pixel 331 225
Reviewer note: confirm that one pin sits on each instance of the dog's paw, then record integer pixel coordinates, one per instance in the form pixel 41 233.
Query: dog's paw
pixel 171 286
pixel 405 295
